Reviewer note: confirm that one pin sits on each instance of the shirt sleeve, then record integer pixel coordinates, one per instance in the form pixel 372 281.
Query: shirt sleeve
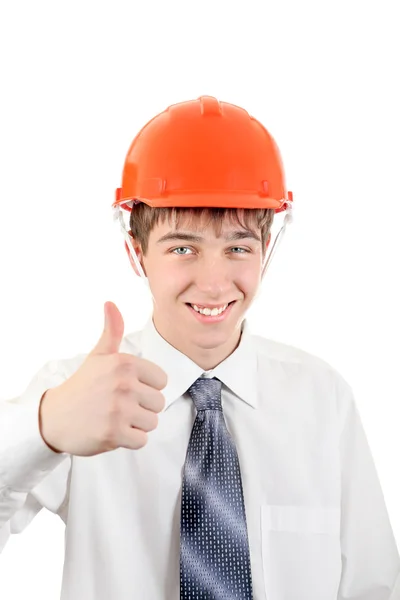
pixel 370 558
pixel 32 475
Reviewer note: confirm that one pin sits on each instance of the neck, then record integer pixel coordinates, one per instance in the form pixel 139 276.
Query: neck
pixel 204 353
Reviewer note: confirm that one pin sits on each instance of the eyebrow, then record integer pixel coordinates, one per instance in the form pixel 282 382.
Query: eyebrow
pixel 191 237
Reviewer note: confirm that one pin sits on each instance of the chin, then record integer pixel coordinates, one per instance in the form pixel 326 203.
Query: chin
pixel 209 340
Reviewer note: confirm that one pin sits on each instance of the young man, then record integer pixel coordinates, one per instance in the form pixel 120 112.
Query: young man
pixel 195 459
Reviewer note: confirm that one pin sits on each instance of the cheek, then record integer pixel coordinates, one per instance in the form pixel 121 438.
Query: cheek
pixel 251 284
pixel 248 275
pixel 167 282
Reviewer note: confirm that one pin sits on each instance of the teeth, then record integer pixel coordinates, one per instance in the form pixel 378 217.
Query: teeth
pixel 208 311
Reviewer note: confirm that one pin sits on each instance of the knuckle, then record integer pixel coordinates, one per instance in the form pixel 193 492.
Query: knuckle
pixel 160 402
pixel 114 409
pixel 162 378
pixel 124 382
pixel 121 384
pixel 109 437
pixel 116 361
pixel 142 438
pixel 153 422
pixel 113 426
pixel 123 363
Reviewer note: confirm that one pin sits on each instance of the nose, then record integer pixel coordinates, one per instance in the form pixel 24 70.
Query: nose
pixel 213 278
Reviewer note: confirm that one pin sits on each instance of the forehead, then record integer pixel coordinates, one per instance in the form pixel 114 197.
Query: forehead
pixel 204 224
pixel 166 234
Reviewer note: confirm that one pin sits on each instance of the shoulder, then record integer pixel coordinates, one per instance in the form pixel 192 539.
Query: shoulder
pixel 295 362
pixel 273 350
pixel 303 382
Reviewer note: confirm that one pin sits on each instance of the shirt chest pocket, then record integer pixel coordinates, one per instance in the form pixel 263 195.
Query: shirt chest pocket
pixel 300 552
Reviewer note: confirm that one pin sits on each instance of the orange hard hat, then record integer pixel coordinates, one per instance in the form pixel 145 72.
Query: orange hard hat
pixel 204 153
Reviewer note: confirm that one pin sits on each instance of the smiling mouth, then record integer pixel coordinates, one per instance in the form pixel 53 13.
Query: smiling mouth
pixel 211 311
pixel 209 306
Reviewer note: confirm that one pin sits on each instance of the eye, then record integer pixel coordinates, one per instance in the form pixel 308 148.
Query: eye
pixel 238 248
pixel 179 253
pixel 180 248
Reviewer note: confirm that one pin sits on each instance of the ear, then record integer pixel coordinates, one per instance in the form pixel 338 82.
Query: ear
pixel 139 254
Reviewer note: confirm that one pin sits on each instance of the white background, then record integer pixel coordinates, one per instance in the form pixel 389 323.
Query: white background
pixel 79 79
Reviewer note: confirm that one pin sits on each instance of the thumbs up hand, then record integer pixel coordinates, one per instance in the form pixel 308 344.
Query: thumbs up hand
pixel 110 402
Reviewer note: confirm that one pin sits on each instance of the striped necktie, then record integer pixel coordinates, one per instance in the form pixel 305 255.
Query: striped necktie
pixel 214 551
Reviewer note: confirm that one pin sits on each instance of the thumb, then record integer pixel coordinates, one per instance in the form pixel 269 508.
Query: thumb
pixel 113 332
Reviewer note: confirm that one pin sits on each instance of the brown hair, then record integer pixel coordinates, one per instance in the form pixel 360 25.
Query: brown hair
pixel 143 218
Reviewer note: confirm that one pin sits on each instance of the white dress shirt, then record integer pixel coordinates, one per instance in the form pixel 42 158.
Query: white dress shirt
pixel 317 522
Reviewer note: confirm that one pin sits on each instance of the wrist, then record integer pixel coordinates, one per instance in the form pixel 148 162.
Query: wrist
pixel 45 418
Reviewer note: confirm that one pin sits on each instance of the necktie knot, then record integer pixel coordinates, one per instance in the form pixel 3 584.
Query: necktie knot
pixel 206 393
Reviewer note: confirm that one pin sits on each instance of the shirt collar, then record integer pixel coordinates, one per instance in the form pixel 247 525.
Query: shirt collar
pixel 238 371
